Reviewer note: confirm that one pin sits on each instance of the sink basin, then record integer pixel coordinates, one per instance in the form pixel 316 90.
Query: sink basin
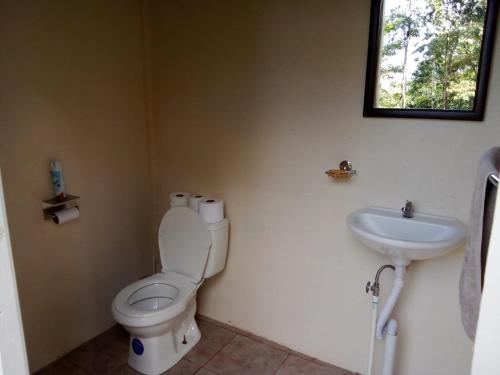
pixel 406 239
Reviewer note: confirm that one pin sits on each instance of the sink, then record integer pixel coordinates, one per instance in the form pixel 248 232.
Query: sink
pixel 406 239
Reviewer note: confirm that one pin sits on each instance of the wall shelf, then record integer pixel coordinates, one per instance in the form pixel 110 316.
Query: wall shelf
pixel 51 206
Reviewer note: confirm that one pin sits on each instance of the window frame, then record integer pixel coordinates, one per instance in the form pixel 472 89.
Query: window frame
pixel 485 62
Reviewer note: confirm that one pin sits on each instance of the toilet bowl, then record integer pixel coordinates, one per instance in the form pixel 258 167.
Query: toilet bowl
pixel 158 311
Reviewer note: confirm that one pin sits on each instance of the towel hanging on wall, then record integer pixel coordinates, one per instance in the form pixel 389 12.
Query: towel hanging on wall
pixel 478 234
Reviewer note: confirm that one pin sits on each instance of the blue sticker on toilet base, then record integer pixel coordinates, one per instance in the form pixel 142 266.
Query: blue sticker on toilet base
pixel 137 346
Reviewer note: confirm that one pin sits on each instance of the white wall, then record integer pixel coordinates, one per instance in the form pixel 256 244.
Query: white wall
pixel 13 358
pixel 72 88
pixel 253 102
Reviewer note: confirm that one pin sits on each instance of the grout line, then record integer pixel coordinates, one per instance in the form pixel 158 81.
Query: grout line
pixel 281 364
pixel 213 356
pixel 74 364
pixel 251 336
pixel 198 366
pixel 265 342
pixel 61 360
pixel 203 368
pixel 118 369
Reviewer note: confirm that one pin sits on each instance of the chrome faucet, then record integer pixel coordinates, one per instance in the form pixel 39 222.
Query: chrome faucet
pixel 407 209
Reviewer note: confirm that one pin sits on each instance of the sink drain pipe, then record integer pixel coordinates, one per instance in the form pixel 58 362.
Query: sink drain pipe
pixel 390 347
pixel 391 301
pixel 383 327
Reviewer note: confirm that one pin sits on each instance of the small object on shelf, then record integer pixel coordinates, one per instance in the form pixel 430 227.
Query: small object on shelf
pixel 345 171
pixel 57 180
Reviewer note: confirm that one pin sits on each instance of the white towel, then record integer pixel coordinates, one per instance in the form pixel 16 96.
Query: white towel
pixel 478 233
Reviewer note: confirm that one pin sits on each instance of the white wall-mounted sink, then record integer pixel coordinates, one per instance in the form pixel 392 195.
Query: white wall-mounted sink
pixel 406 239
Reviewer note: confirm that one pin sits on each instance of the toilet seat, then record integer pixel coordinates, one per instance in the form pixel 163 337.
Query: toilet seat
pixel 184 242
pixel 153 300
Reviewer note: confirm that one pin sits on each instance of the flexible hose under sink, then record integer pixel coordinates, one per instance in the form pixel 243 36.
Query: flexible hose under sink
pixel 372 334
pixel 375 289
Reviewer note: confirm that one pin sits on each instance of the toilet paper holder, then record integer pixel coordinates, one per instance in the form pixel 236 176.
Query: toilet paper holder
pixel 51 206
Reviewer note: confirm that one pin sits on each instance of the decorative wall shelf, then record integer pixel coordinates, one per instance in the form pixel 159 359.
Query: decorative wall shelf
pixel 345 171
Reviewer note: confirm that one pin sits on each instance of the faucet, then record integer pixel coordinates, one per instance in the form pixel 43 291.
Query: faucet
pixel 407 209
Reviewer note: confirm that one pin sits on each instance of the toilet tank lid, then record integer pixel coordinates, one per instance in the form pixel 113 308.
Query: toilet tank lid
pixel 184 243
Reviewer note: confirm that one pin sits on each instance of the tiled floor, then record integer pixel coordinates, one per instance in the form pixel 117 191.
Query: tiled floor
pixel 221 351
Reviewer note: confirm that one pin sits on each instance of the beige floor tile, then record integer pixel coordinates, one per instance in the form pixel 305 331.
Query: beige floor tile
pixel 126 370
pixel 103 355
pixel 61 367
pixel 245 333
pixel 299 366
pixel 183 367
pixel 204 371
pixel 213 338
pixel 245 356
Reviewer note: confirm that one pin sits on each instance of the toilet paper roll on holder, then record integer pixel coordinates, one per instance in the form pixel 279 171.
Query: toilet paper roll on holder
pixel 51 206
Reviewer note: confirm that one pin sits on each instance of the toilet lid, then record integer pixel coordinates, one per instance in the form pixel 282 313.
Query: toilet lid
pixel 184 243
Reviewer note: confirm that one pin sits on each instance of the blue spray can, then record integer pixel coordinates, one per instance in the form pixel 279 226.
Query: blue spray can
pixel 57 180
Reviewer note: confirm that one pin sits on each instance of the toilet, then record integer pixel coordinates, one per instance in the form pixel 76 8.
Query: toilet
pixel 158 311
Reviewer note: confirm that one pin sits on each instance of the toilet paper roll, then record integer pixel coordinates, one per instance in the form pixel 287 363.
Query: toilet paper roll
pixel 179 199
pixel 194 201
pixel 211 210
pixel 68 214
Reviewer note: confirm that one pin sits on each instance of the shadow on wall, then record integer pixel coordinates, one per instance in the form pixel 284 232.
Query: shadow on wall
pixel 72 89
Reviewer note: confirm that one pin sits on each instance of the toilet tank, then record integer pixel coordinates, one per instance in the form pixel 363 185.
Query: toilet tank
pixel 219 234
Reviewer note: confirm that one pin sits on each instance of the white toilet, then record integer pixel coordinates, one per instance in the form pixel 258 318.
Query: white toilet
pixel 159 310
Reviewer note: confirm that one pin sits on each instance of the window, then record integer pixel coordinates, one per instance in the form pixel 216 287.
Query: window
pixel 429 58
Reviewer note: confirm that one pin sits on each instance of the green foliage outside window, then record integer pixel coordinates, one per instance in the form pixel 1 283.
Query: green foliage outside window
pixel 430 54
